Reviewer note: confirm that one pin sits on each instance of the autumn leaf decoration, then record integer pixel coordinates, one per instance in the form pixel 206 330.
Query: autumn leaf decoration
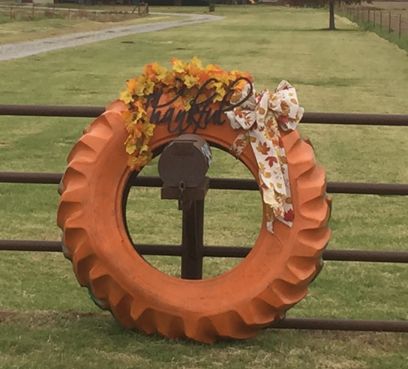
pixel 183 76
pixel 263 148
pixel 269 113
pixel 259 119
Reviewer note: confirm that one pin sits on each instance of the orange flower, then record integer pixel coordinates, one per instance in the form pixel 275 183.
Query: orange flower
pixel 154 72
pixel 131 85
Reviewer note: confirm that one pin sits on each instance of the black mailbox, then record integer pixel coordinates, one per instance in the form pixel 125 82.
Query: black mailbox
pixel 182 168
pixel 185 162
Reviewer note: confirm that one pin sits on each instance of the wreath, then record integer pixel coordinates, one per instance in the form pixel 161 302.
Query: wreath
pixel 259 117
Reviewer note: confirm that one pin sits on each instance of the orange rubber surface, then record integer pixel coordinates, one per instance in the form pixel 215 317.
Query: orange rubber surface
pixel 272 278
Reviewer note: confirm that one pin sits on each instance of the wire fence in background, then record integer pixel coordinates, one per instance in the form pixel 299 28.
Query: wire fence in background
pixel 33 11
pixel 391 21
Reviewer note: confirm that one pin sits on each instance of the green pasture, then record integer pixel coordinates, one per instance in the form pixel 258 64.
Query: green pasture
pixel 47 319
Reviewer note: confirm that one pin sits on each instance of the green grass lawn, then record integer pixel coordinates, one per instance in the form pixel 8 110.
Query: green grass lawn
pixel 45 317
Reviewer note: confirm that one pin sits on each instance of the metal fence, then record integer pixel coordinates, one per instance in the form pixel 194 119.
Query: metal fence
pixel 37 11
pixel 391 21
pixel 235 184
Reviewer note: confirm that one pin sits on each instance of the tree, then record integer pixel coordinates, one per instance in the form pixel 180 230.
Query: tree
pixel 322 3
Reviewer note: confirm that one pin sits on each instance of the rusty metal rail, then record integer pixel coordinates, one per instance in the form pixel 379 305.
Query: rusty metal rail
pixel 219 183
pixel 343 324
pixel 311 117
pixel 214 251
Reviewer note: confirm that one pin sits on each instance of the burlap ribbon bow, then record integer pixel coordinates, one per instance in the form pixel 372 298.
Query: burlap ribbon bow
pixel 261 116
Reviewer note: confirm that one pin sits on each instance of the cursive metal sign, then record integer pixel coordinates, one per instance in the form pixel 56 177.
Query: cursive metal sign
pixel 201 112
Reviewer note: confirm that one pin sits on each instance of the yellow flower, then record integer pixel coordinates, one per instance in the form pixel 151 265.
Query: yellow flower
pixel 148 87
pixel 148 129
pixel 190 81
pixel 154 72
pixel 137 115
pixel 130 148
pixel 125 96
pixel 169 79
pixel 140 86
pixel 219 90
pixel 161 72
pixel 136 162
pixel 213 68
pixel 196 63
pixel 144 148
pixel 178 65
pixel 194 68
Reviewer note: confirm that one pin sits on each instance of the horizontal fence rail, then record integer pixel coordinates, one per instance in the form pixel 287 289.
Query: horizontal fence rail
pixel 311 117
pixel 343 324
pixel 219 183
pixel 214 251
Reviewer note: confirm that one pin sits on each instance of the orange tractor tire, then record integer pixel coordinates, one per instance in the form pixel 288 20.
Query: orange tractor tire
pixel 273 277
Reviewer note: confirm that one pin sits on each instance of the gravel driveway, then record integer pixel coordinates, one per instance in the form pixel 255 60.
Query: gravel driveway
pixel 22 49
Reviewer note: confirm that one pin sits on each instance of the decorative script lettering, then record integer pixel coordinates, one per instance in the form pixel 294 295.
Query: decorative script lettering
pixel 201 112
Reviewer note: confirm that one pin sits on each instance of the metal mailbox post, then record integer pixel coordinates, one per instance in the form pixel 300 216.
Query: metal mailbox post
pixel 182 167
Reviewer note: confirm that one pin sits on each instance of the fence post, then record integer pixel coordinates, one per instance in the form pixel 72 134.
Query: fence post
pixel 399 25
pixel 389 22
pixel 368 15
pixel 381 19
pixel 192 241
pixel 374 18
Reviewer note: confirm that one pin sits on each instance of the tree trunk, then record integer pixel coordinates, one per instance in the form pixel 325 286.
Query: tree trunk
pixel 332 25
